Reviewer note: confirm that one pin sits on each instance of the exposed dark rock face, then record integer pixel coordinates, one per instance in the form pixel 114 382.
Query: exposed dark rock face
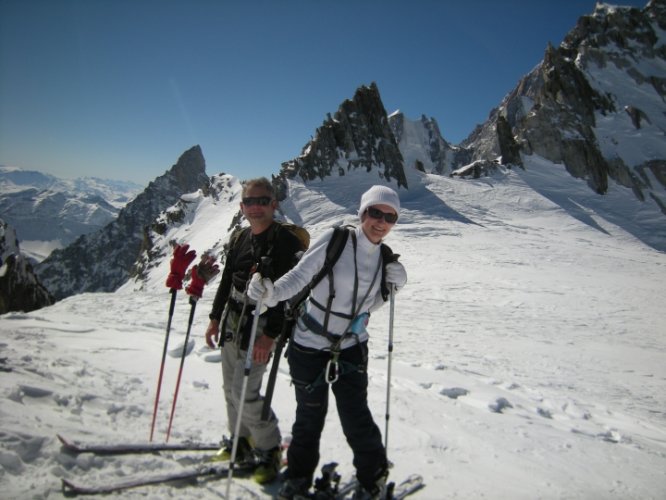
pixel 509 149
pixel 20 290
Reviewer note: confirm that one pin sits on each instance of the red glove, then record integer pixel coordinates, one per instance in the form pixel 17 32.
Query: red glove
pixel 196 286
pixel 179 264
pixel 202 274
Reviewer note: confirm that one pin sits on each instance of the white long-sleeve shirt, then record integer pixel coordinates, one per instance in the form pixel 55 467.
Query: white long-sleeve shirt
pixel 368 257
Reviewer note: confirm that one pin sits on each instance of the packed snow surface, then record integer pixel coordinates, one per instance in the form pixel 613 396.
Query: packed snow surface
pixel 528 362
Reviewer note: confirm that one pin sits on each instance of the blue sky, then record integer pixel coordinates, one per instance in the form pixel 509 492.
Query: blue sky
pixel 120 89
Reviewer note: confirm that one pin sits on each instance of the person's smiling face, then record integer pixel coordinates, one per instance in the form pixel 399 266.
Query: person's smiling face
pixel 255 211
pixel 374 224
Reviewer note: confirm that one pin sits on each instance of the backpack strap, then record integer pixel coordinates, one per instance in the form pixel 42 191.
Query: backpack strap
pixel 333 251
pixel 387 257
pixel 235 237
pixel 331 281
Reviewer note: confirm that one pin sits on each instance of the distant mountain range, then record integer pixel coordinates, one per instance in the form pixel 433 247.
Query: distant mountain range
pixel 47 212
pixel 595 106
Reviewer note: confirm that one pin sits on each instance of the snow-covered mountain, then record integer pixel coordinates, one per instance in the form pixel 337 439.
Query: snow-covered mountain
pixel 49 213
pixel 115 192
pixel 102 260
pixel 596 104
pixel 216 208
pixel 583 107
pixel 422 145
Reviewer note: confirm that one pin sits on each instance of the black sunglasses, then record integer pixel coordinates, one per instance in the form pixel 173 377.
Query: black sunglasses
pixel 378 214
pixel 257 200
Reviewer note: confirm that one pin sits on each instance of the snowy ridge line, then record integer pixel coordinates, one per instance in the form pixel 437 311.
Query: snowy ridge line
pixel 100 448
pixel 70 488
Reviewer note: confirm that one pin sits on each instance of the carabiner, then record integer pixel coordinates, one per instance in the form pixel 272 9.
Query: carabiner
pixel 332 367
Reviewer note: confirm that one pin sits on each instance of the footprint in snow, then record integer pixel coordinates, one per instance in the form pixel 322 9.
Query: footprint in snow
pixel 177 351
pixel 213 358
pixel 27 391
pixel 4 366
pixel 499 405
pixel 454 392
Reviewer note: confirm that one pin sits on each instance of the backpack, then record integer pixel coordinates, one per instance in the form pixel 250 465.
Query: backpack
pixel 299 232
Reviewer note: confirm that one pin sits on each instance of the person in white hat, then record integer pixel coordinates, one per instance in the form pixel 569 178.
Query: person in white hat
pixel 329 344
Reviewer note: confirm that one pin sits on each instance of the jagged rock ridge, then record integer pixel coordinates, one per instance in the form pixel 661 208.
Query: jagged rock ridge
pixel 20 290
pixel 358 135
pixel 609 70
pixel 102 261
pixel 223 189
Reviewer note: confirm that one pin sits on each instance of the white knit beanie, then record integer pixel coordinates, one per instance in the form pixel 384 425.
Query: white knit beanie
pixel 379 195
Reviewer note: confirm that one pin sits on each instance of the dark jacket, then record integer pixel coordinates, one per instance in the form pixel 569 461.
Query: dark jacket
pixel 276 243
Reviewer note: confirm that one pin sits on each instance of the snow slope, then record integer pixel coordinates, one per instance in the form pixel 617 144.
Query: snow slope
pixel 528 361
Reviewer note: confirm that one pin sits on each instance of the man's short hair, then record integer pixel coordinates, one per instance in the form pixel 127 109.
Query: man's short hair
pixel 259 182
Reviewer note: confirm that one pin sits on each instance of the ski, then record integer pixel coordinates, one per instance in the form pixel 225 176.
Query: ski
pixel 76 447
pixel 70 488
pixel 412 484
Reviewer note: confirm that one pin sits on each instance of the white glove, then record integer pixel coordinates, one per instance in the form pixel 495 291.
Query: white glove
pixel 261 288
pixel 396 274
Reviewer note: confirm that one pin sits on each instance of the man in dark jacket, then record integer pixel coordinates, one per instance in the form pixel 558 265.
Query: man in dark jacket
pixel 232 316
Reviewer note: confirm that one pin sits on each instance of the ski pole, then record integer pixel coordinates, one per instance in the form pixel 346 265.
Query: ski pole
pixel 287 326
pixel 201 274
pixel 388 375
pixel 248 366
pixel 164 353
pixel 182 258
pixel 193 304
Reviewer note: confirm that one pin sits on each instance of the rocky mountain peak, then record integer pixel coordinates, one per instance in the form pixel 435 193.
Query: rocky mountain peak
pixel 579 106
pixel 422 145
pixel 102 261
pixel 358 135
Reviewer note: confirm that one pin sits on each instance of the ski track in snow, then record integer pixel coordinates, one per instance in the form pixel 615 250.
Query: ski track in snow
pixel 528 362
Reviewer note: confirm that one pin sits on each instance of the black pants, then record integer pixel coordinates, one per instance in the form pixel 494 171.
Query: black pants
pixel 351 397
